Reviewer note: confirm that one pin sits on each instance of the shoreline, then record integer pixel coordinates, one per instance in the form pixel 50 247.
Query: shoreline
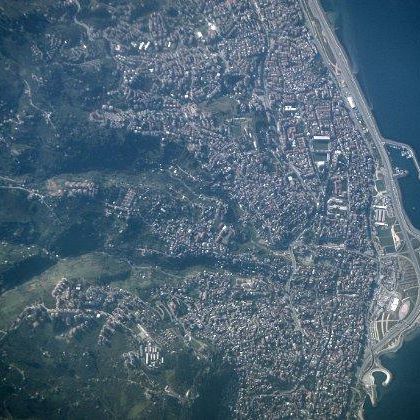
pixel 375 360
pixel 410 150
pixel 337 60
pixel 405 337
pixel 387 141
pixel 411 228
pixel 331 12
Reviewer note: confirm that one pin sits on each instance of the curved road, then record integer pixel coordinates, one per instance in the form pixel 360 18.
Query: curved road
pixel 325 37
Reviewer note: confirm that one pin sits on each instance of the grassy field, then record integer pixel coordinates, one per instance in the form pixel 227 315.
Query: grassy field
pixel 95 267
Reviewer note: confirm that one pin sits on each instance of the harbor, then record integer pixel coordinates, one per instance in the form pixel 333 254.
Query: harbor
pixel 384 56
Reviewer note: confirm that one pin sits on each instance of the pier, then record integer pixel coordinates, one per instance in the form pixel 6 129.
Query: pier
pixel 411 153
pixel 370 385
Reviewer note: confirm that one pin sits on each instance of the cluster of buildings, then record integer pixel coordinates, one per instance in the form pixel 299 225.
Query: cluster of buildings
pixel 295 344
pixel 65 188
pixel 273 181
pixel 264 67
pixel 297 172
pixel 81 308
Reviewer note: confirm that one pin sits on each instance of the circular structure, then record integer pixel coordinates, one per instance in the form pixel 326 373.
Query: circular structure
pixel 404 310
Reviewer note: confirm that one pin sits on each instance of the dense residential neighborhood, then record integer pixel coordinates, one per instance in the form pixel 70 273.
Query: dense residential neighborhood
pixel 207 197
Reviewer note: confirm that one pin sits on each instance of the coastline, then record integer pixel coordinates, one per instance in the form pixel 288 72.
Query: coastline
pixel 372 120
pixel 409 149
pixel 347 23
pixel 410 335
pixel 338 62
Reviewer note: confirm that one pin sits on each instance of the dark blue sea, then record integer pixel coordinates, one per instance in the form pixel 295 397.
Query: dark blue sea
pixel 401 399
pixel 382 39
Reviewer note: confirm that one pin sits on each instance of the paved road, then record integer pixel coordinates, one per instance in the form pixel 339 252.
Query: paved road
pixel 351 87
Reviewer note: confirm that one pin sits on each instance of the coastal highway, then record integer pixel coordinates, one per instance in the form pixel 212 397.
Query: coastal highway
pixel 328 40
pixel 334 55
